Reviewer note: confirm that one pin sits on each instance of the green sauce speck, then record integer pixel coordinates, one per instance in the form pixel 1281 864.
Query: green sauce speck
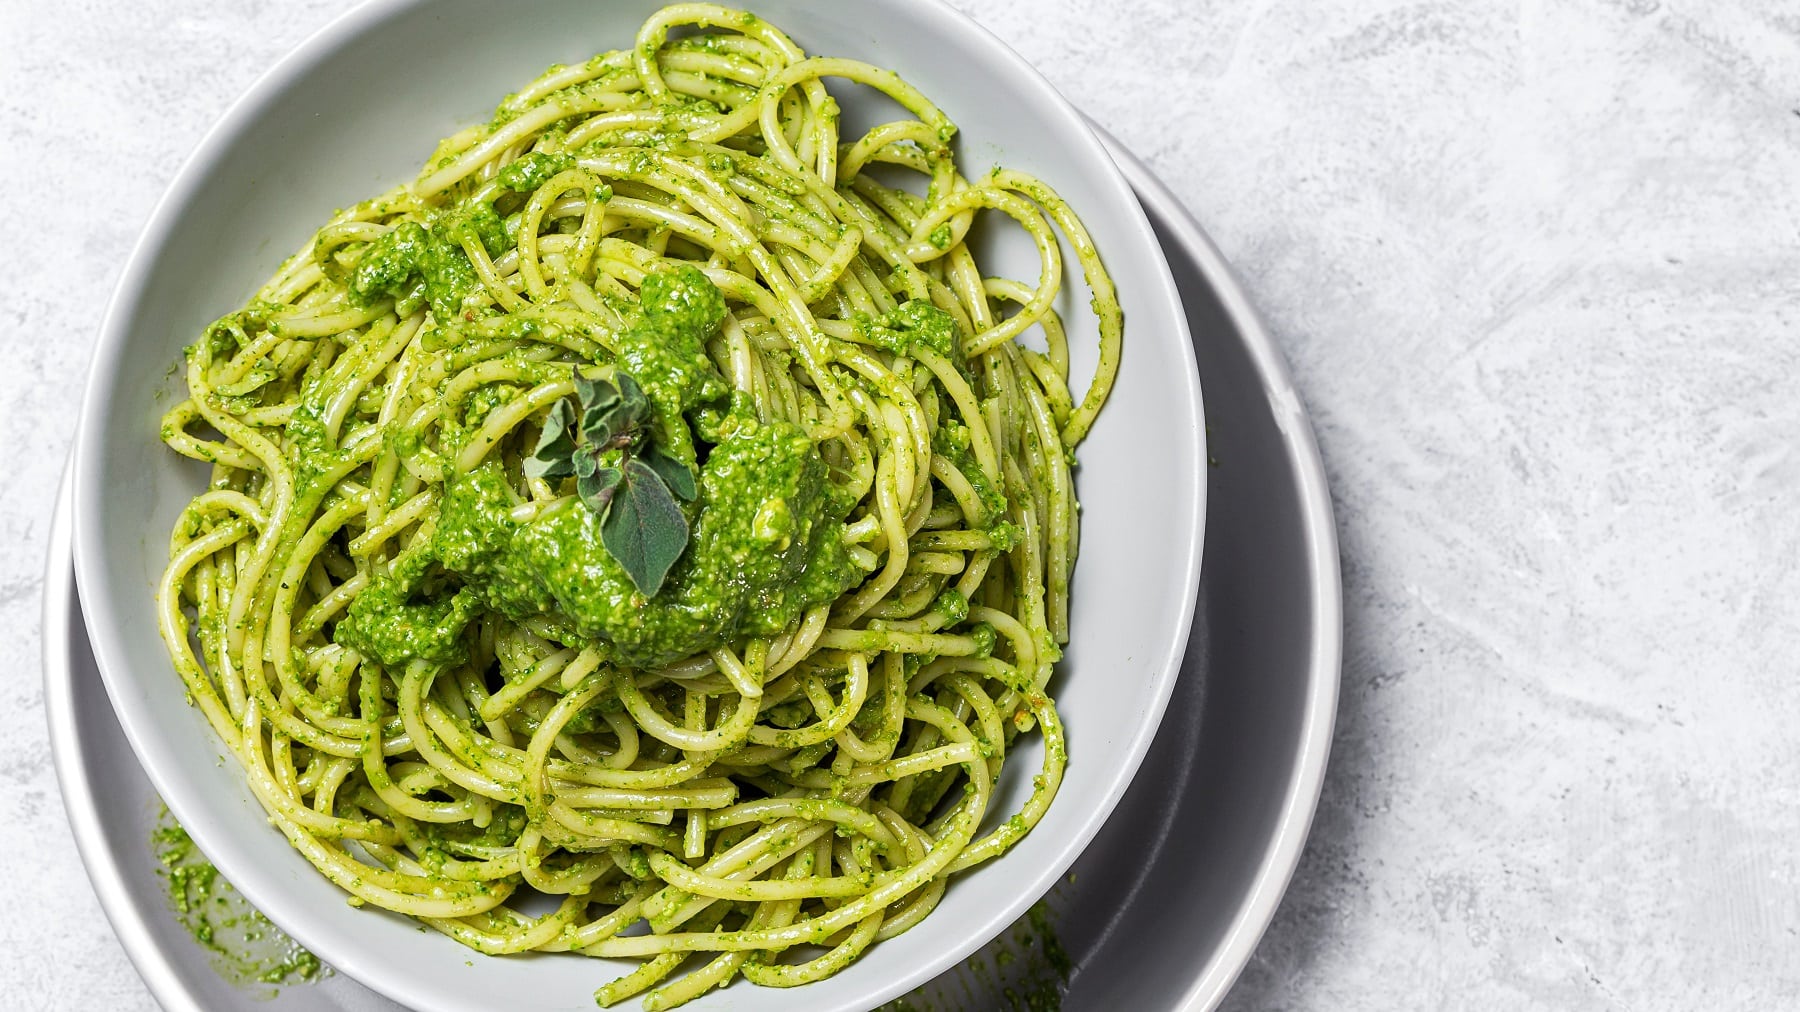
pixel 244 947
pixel 1025 969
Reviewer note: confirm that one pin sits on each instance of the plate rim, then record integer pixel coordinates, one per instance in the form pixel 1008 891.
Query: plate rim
pixel 68 757
pixel 1319 716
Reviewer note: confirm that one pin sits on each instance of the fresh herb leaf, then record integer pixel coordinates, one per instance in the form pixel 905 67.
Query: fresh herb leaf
pixel 597 488
pixel 599 399
pixel 674 473
pixel 644 528
pixel 555 445
pixel 585 462
pixel 612 415
pixel 642 525
pixel 631 414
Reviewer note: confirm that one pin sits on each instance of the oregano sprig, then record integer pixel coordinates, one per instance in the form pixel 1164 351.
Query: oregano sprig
pixel 634 494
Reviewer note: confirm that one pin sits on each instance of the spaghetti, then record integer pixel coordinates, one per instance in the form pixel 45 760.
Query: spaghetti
pixel 450 686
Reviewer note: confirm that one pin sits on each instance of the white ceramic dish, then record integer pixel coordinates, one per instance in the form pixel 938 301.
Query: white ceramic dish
pixel 1163 908
pixel 355 109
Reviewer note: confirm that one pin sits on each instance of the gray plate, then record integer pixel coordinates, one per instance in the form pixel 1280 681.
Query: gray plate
pixel 1167 903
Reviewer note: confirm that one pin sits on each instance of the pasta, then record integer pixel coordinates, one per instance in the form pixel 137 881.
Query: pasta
pixel 650 507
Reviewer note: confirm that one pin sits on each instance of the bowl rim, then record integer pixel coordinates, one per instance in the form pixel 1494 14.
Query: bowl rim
pixel 87 481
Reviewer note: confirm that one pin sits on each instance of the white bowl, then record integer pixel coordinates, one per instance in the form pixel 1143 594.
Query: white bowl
pixel 356 109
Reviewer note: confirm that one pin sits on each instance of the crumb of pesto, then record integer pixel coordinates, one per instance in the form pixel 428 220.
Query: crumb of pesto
pixel 1024 969
pixel 244 947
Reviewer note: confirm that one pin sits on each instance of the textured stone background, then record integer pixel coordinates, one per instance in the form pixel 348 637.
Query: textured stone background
pixel 1535 265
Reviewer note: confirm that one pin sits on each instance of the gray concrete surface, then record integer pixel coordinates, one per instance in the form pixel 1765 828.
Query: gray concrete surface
pixel 1537 267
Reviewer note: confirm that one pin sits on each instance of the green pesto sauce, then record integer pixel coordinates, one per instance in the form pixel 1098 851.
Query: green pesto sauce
pixel 952 441
pixel 532 171
pixel 766 546
pixel 444 840
pixel 914 323
pixel 952 604
pixel 483 401
pixel 767 535
pixel 1025 969
pixel 384 622
pixel 245 949
pixel 664 349
pixel 414 263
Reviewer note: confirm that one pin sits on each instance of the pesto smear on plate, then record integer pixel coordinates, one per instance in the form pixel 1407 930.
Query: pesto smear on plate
pixel 243 946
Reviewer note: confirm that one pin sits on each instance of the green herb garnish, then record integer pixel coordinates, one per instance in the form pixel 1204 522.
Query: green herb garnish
pixel 609 446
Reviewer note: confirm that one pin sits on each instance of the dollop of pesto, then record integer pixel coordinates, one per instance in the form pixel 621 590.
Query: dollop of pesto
pixel 415 263
pixel 767 526
pixel 914 323
pixel 386 623
pixel 664 349
pixel 768 544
